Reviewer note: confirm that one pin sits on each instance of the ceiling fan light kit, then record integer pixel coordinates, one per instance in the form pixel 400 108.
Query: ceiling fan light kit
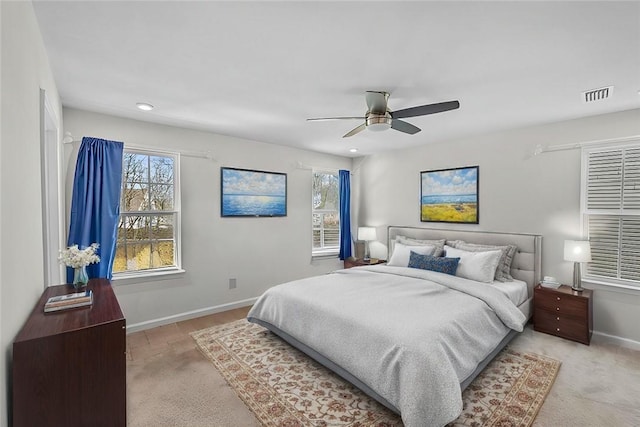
pixel 379 118
pixel 378 122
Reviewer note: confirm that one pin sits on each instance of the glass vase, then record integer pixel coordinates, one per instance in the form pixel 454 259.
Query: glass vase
pixel 80 277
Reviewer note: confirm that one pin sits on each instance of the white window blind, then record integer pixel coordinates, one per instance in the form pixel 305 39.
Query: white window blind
pixel 604 180
pixel 631 180
pixel 611 209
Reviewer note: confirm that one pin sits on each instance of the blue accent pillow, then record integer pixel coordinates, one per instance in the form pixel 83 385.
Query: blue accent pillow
pixel 439 264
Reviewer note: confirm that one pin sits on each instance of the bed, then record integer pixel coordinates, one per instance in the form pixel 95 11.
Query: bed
pixel 411 338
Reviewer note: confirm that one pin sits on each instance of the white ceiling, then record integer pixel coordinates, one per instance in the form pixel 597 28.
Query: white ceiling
pixel 257 70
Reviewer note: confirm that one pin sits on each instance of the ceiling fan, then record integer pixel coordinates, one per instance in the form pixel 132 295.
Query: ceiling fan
pixel 378 116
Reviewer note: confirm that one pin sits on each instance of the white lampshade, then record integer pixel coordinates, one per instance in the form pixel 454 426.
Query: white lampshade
pixel 367 233
pixel 577 250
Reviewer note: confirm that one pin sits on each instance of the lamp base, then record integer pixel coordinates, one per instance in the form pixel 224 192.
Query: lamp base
pixel 577 279
pixel 367 255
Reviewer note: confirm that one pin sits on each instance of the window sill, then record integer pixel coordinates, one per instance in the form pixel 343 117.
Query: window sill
pixel 612 287
pixel 319 256
pixel 146 276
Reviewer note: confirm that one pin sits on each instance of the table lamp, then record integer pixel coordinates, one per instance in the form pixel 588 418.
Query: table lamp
pixel 577 251
pixel 367 234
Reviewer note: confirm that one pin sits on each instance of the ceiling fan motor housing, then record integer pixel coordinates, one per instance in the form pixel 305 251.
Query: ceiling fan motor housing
pixel 378 122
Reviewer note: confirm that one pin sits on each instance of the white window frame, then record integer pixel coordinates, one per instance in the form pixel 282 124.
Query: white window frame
pixel 125 277
pixel 622 214
pixel 331 251
pixel 52 193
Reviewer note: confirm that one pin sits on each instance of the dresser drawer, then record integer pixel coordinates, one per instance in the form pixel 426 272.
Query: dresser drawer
pixel 561 325
pixel 561 303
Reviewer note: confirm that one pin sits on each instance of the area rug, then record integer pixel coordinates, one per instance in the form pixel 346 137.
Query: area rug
pixel 285 388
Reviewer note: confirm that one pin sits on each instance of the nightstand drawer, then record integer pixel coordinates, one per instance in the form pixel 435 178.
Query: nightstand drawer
pixel 359 262
pixel 561 325
pixel 561 303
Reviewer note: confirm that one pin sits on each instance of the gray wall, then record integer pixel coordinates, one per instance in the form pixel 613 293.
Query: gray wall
pixel 518 193
pixel 258 252
pixel 25 70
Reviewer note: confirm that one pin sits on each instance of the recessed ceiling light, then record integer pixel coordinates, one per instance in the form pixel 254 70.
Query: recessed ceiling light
pixel 353 150
pixel 144 106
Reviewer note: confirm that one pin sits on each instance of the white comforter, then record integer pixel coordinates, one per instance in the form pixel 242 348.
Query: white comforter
pixel 411 335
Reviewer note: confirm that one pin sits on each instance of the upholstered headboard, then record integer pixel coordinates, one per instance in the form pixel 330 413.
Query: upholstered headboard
pixel 527 263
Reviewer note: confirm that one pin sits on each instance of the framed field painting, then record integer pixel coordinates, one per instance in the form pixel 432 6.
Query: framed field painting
pixel 450 195
pixel 252 193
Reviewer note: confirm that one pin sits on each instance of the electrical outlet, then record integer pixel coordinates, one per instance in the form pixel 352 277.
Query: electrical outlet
pixel 232 283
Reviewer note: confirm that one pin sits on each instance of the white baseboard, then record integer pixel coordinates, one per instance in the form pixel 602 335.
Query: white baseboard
pixel 601 337
pixel 148 324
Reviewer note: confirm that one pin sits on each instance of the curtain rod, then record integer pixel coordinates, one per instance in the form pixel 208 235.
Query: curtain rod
pixel 68 139
pixel 540 149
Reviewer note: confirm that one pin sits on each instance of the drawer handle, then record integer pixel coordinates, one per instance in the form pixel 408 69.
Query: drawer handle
pixel 557 329
pixel 557 308
pixel 558 298
pixel 558 319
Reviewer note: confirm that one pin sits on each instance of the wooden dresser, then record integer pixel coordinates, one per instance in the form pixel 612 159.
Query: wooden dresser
pixel 69 367
pixel 564 312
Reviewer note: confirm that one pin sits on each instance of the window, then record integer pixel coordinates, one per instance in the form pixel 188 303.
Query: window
pixel 149 214
pixel 611 212
pixel 325 213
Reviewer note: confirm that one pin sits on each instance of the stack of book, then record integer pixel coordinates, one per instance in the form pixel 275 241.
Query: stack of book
pixel 550 282
pixel 63 302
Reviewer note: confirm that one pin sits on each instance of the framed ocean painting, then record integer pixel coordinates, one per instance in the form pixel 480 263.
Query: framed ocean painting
pixel 252 193
pixel 450 195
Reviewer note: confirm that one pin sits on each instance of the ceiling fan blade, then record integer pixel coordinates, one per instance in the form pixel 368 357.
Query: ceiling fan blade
pixel 405 127
pixel 319 119
pixel 423 110
pixel 356 130
pixel 377 101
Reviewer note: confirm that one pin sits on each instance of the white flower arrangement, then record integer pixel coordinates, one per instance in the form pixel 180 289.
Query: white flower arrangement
pixel 75 257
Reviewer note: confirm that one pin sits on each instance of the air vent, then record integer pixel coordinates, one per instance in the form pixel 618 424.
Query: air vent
pixel 597 94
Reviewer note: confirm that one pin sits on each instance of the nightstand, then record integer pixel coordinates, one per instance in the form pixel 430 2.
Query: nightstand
pixel 563 312
pixel 357 262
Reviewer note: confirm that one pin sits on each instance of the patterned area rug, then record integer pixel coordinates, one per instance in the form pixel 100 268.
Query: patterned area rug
pixel 285 388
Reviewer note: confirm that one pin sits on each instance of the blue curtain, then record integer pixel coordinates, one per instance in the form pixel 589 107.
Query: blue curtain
pixel 95 206
pixel 344 186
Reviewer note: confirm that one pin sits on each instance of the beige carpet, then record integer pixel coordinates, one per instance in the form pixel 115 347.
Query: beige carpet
pixel 182 390
pixel 283 387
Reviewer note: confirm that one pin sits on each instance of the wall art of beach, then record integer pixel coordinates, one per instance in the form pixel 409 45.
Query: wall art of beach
pixel 249 193
pixel 450 196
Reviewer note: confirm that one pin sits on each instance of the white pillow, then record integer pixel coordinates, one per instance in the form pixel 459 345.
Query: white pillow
pixel 409 241
pixel 401 253
pixel 478 266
